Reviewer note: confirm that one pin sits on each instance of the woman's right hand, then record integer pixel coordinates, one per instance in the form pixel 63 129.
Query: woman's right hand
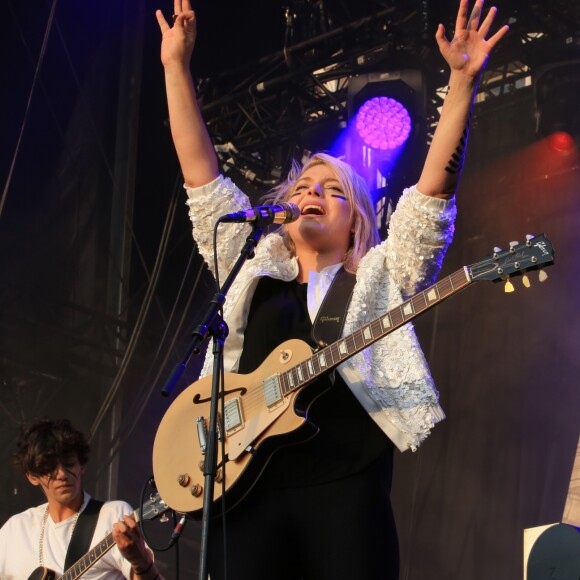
pixel 178 40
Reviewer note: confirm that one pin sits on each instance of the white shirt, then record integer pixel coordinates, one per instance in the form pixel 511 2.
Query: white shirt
pixel 20 539
pixel 318 285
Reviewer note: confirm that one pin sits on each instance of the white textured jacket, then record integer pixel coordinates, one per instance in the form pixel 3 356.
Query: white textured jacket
pixel 390 378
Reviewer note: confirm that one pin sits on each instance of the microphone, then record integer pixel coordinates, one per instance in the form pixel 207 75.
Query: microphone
pixel 283 213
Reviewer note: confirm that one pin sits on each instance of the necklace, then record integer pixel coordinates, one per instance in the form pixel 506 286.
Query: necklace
pixel 43 529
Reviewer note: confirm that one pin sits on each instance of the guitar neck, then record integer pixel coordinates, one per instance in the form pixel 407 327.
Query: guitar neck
pixel 331 356
pixel 92 556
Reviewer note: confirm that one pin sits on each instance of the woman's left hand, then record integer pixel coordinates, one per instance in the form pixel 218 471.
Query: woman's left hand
pixel 469 49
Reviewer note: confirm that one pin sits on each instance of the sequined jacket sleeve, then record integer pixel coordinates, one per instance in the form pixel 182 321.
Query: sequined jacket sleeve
pixel 420 231
pixel 391 378
pixel 206 206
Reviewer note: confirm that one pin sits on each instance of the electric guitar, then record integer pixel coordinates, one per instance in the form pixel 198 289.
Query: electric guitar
pixel 152 509
pixel 259 411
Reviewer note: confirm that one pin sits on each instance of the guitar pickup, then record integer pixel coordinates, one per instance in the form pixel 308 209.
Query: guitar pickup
pixel 233 415
pixel 272 392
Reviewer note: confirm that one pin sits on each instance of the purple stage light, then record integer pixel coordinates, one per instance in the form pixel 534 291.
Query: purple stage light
pixel 383 123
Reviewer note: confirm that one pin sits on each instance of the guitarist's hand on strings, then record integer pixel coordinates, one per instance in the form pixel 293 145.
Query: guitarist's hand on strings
pixel 130 542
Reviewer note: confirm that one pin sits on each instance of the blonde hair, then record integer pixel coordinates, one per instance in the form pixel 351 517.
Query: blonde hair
pixel 362 212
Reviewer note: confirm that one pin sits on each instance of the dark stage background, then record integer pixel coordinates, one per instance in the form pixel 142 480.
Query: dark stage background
pixel 101 285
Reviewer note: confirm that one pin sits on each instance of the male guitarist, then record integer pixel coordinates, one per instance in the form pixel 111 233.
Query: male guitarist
pixel 35 543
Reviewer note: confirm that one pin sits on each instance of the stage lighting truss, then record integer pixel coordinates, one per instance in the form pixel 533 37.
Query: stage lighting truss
pixel 267 114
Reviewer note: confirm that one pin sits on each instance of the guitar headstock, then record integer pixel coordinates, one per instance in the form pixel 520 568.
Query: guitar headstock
pixel 534 254
pixel 154 507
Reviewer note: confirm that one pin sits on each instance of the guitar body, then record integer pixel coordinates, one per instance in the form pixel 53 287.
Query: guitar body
pixel 42 573
pixel 178 453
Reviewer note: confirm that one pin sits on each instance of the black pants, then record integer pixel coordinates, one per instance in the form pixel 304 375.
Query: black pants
pixel 340 530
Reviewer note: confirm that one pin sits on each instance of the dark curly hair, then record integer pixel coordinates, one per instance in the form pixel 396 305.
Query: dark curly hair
pixel 46 443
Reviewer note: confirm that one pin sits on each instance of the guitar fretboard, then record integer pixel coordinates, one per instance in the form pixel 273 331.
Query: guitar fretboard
pixel 89 559
pixel 151 509
pixel 334 354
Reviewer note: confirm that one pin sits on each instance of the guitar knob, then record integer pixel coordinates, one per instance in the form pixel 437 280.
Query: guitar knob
pixel 201 465
pixel 219 476
pixel 196 490
pixel 183 479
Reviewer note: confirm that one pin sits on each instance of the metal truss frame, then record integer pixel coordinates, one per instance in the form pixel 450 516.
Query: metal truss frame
pixel 264 115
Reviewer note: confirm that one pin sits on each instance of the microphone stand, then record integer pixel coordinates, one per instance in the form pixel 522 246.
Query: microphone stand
pixel 213 325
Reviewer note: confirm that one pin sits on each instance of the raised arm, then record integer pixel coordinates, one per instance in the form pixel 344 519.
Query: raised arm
pixel 467 55
pixel 192 142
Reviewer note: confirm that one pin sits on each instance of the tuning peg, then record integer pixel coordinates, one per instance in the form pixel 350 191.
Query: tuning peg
pixel 513 245
pixel 526 281
pixel 529 238
pixel 509 287
pixel 497 250
pixel 542 276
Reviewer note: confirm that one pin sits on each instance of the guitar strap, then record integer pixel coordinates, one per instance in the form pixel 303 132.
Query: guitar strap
pixel 329 321
pixel 83 533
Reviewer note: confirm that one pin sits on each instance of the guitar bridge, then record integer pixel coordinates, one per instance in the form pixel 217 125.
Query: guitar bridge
pixel 202 432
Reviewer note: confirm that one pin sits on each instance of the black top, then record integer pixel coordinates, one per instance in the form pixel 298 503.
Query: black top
pixel 349 440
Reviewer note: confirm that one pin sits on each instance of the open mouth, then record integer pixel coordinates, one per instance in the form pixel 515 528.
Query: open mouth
pixel 312 209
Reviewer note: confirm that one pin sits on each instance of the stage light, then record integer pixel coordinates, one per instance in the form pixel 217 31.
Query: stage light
pixel 387 111
pixel 387 121
pixel 386 136
pixel 561 142
pixel 383 123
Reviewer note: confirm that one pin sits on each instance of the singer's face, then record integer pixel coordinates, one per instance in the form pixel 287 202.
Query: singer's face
pixel 325 222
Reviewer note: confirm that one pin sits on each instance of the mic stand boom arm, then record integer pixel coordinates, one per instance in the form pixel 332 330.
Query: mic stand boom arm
pixel 214 325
